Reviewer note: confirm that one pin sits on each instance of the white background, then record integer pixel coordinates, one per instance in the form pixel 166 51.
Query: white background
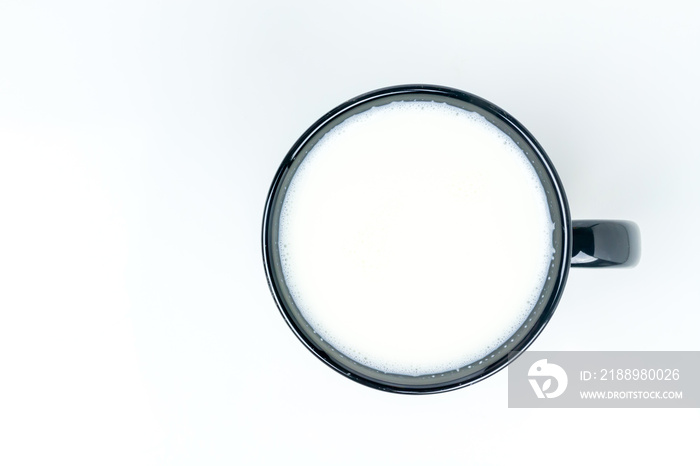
pixel 138 140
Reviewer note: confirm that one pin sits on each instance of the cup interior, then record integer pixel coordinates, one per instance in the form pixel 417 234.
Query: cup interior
pixel 518 341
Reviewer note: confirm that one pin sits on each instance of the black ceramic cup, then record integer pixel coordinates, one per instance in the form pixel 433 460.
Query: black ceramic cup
pixel 587 243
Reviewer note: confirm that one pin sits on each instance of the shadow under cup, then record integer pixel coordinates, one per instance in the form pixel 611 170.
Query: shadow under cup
pixel 519 340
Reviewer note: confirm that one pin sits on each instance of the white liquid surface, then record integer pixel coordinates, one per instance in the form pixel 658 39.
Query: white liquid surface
pixel 415 237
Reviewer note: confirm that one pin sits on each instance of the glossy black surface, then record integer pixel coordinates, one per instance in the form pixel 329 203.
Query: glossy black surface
pixel 597 244
pixel 519 340
pixel 605 243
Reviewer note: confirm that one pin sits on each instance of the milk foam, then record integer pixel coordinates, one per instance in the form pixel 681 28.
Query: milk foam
pixel 415 237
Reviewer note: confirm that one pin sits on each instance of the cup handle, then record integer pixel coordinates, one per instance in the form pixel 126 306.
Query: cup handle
pixel 605 243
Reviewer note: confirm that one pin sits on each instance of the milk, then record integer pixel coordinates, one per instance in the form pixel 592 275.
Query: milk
pixel 415 237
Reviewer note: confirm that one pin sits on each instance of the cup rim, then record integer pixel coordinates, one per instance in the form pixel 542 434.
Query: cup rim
pixel 558 195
